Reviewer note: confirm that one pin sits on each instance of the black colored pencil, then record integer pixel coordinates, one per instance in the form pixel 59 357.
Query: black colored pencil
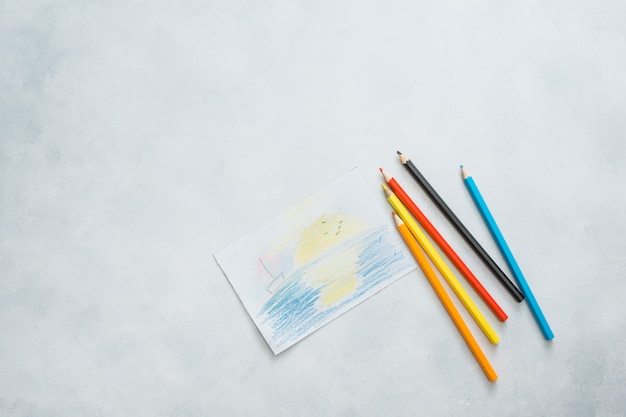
pixel 482 253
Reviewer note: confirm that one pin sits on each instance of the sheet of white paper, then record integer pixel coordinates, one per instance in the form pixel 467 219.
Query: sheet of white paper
pixel 315 261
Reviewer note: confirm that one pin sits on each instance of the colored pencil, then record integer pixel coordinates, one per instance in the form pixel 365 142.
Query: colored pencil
pixel 508 255
pixel 441 266
pixel 444 246
pixel 460 227
pixel 445 299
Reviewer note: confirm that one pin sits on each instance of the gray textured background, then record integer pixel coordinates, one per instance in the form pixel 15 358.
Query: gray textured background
pixel 137 138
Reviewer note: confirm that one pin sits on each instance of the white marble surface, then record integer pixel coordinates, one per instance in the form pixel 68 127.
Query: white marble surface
pixel 137 138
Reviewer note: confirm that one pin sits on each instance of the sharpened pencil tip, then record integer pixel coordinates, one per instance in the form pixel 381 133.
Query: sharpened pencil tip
pixel 399 153
pixel 385 175
pixel 380 169
pixel 396 218
pixel 387 191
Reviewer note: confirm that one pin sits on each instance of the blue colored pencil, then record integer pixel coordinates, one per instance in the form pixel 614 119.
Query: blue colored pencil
pixel 508 255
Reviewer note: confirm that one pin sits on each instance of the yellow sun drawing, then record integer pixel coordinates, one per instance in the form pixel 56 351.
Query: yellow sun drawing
pixel 337 276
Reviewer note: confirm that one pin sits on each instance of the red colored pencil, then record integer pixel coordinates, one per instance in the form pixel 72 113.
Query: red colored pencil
pixel 445 247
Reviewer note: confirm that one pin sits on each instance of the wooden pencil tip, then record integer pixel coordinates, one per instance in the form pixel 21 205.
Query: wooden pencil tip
pixel 403 158
pixel 397 218
pixel 464 172
pixel 386 176
pixel 399 153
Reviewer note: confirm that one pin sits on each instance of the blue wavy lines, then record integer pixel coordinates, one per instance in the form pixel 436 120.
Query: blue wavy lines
pixel 292 309
pixel 295 310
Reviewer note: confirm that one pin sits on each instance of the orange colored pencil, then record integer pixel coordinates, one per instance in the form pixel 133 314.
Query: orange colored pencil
pixel 445 299
pixel 445 247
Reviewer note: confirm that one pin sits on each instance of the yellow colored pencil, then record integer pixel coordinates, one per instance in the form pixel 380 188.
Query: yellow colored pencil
pixel 446 272
pixel 445 299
